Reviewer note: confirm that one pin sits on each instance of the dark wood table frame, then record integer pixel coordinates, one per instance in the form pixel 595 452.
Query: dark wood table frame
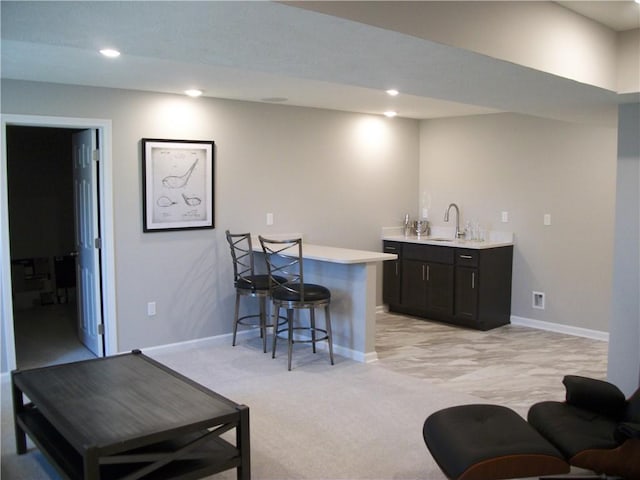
pixel 128 417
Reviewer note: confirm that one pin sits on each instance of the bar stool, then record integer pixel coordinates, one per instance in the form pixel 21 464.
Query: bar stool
pixel 284 259
pixel 248 284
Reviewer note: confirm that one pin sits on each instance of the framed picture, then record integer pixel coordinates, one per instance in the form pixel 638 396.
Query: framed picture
pixel 177 184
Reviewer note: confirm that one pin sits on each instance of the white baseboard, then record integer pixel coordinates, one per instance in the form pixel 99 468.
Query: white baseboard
pixel 360 356
pixel 560 328
pixel 542 325
pixel 225 339
pixel 197 343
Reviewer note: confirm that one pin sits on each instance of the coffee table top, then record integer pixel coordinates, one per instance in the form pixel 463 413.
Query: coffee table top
pixel 112 400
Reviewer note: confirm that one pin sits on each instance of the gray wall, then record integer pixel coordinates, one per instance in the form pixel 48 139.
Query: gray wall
pixel 624 354
pixel 530 166
pixel 337 177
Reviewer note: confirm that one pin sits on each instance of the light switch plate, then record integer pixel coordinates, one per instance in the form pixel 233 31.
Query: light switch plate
pixel 269 218
pixel 505 217
pixel 547 219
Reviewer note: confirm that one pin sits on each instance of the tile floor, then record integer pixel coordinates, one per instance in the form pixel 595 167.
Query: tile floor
pixel 512 365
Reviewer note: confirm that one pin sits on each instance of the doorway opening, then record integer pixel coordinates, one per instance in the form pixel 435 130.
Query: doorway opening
pixel 42 277
pixel 43 247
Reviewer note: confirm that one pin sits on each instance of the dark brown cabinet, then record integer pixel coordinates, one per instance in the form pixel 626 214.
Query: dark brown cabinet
pixel 469 287
pixel 392 274
pixel 428 286
pixel 466 288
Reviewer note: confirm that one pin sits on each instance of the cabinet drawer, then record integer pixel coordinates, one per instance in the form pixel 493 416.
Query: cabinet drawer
pixel 428 253
pixel 392 247
pixel 466 257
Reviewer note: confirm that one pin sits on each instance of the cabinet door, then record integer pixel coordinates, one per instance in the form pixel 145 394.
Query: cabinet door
pixel 392 274
pixel 466 301
pixel 414 289
pixel 439 288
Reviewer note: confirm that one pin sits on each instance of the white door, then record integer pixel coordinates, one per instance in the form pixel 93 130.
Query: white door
pixel 85 187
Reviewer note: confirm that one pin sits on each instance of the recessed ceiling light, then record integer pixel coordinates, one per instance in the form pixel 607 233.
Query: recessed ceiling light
pixel 194 92
pixel 390 114
pixel 110 52
pixel 393 92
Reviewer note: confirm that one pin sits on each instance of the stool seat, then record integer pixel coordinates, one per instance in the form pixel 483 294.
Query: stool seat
pixel 255 282
pixel 312 293
pixel 284 257
pixel 489 442
pixel 249 284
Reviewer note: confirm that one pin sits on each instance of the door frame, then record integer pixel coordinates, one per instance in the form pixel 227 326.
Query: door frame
pixel 105 199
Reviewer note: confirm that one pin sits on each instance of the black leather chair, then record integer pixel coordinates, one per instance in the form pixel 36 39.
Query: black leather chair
pixel 289 291
pixel 248 284
pixel 595 428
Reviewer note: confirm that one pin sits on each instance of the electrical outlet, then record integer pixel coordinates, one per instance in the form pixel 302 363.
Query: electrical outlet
pixel 505 217
pixel 269 218
pixel 151 309
pixel 547 219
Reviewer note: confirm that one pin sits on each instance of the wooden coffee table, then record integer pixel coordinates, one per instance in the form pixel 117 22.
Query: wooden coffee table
pixel 128 417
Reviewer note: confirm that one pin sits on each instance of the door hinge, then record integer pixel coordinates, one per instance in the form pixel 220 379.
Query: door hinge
pixel 101 329
pixel 96 155
pixel 97 243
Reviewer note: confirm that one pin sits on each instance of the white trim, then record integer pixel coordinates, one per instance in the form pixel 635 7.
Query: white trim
pixel 196 343
pixel 542 325
pixel 106 226
pixel 560 328
pixel 225 339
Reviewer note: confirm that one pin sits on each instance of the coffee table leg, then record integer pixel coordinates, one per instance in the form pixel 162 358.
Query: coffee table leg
pixel 243 444
pixel 18 407
pixel 91 465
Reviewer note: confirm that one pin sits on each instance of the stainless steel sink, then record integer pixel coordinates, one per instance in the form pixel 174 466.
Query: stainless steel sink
pixel 438 239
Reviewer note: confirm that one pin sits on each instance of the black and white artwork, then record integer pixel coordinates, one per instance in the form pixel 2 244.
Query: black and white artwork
pixel 178 184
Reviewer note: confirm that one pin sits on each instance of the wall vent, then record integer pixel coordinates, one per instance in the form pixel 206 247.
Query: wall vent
pixel 538 300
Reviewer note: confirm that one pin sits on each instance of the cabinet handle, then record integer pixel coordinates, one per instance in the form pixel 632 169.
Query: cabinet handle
pixel 468 257
pixel 396 269
pixel 428 272
pixel 473 280
pixel 391 248
pixel 423 266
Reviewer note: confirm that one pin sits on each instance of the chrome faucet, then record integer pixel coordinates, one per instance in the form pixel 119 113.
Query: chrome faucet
pixel 459 234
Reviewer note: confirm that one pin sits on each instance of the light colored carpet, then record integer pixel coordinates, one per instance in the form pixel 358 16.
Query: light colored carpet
pixel 347 421
pixel 350 420
pixel 46 335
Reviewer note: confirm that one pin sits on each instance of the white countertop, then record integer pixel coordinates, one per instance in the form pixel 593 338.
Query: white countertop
pixel 343 255
pixel 443 237
pixel 337 255
pixel 440 241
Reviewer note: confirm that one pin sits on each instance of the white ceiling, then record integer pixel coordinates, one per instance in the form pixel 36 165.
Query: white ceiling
pixel 257 50
pixel 614 14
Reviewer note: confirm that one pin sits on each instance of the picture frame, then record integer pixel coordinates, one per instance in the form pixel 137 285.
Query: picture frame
pixel 177 184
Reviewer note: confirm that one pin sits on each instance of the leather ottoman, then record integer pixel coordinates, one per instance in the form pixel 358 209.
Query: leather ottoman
pixel 489 442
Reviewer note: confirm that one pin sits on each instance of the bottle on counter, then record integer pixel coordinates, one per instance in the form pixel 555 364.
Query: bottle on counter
pixel 407 226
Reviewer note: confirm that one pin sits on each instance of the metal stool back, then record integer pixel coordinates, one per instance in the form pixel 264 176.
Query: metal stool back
pixel 248 283
pixel 289 291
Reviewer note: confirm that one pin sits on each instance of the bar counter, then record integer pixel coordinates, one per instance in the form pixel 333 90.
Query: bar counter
pixel 351 277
